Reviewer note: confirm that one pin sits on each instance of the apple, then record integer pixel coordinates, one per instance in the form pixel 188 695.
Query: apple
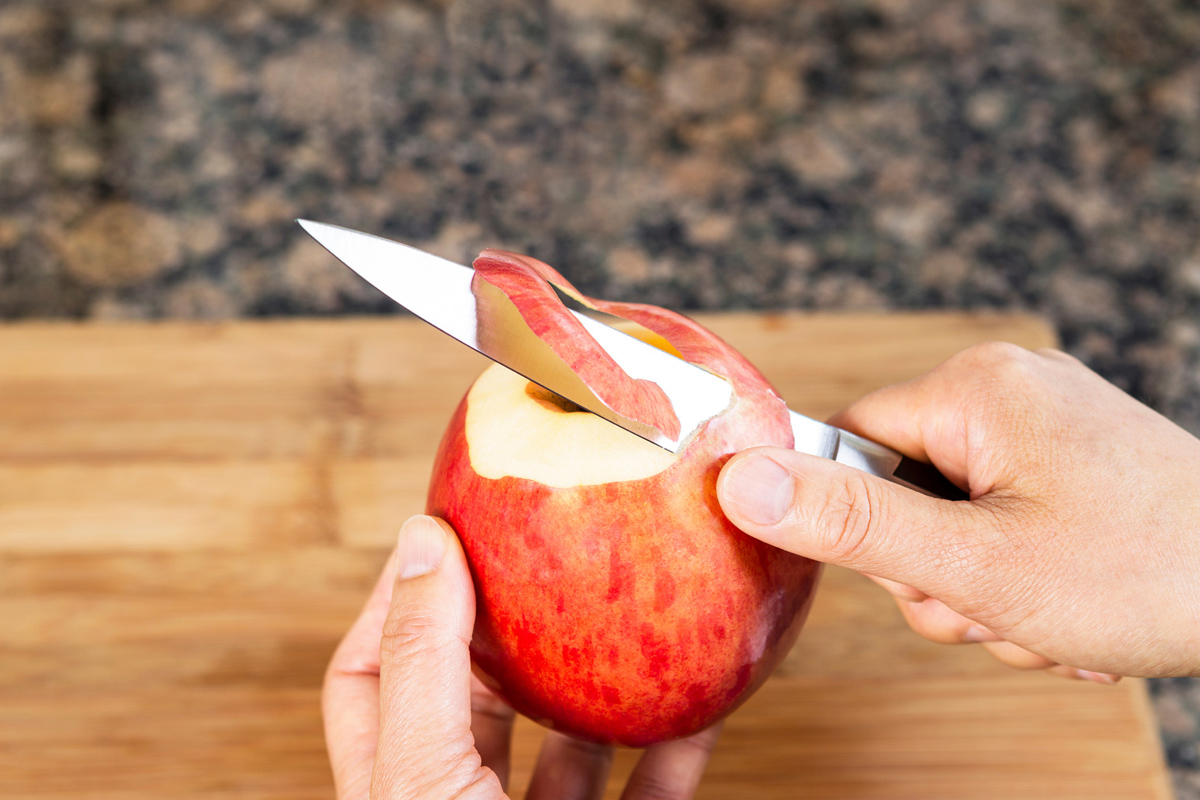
pixel 615 602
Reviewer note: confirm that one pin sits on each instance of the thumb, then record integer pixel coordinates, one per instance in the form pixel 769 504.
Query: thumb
pixel 425 744
pixel 830 512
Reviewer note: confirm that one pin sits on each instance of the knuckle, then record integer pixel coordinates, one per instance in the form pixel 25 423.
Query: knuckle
pixel 1002 399
pixel 412 635
pixel 411 627
pixel 1054 354
pixel 1010 371
pixel 998 367
pixel 996 354
pixel 850 518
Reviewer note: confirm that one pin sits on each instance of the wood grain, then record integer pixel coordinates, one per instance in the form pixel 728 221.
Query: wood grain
pixel 191 515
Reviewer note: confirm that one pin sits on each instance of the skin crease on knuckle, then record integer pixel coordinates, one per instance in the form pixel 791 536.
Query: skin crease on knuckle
pixel 416 633
pixel 849 517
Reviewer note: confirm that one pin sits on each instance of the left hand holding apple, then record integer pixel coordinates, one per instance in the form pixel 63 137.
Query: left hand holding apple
pixel 405 718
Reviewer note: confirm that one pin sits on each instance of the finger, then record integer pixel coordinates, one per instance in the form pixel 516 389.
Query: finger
pixel 935 621
pixel 837 514
pixel 569 769
pixel 1103 678
pixel 425 743
pixel 1016 656
pixel 492 725
pixel 945 415
pixel 350 697
pixel 900 591
pixel 914 418
pixel 672 770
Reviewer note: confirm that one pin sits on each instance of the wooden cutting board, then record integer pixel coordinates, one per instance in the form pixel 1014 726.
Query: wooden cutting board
pixel 191 516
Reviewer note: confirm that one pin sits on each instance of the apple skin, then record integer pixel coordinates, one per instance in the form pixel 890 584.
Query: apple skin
pixel 630 612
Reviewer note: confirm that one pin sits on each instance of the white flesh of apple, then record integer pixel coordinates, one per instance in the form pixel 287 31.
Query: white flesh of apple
pixel 510 433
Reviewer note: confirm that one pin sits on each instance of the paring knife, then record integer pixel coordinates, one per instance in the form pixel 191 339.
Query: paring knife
pixel 439 292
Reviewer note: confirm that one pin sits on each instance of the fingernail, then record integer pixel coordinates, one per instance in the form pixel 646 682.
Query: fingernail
pixel 420 547
pixel 1097 677
pixel 978 633
pixel 758 490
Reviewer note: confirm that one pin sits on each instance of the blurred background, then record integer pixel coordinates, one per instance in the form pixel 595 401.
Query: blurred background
pixel 1039 155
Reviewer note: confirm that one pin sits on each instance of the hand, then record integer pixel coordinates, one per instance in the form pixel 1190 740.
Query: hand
pixel 405 718
pixel 1080 545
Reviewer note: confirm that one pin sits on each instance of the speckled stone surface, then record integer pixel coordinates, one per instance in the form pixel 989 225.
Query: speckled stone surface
pixel 867 154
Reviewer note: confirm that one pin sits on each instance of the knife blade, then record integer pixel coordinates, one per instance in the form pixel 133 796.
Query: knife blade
pixel 439 292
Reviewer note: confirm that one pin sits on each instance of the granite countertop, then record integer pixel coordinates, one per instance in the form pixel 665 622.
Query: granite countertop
pixel 869 154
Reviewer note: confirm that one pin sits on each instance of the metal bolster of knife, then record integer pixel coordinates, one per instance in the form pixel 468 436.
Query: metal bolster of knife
pixel 855 451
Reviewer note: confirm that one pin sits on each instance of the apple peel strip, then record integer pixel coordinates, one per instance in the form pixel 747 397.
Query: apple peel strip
pixel 527 283
pixel 696 344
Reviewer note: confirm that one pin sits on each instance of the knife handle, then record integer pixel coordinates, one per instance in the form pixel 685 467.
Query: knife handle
pixel 872 457
pixel 926 479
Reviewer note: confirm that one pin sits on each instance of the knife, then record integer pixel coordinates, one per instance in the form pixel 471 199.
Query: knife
pixel 439 292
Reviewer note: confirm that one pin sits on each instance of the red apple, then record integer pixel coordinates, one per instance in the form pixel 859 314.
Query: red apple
pixel 616 603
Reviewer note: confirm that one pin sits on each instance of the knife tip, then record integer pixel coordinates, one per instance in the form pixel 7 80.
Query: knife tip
pixel 318 230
